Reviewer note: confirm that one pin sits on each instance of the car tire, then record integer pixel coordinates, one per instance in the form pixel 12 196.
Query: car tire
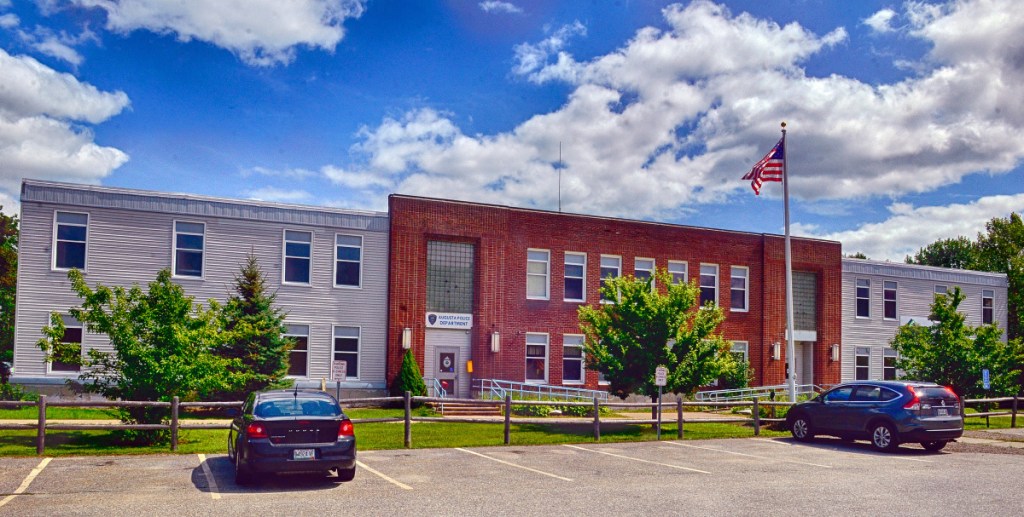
pixel 801 429
pixel 935 446
pixel 243 476
pixel 883 437
pixel 346 475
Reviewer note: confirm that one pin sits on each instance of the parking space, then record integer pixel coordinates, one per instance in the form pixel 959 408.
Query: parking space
pixel 739 476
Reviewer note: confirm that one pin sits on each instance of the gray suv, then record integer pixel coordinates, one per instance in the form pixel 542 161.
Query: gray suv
pixel 886 412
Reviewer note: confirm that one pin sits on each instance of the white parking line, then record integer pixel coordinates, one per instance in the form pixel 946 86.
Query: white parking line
pixel 397 483
pixel 771 440
pixel 210 480
pixel 749 455
pixel 28 481
pixel 637 459
pixel 513 464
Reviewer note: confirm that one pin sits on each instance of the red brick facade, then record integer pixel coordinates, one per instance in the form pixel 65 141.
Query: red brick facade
pixel 503 235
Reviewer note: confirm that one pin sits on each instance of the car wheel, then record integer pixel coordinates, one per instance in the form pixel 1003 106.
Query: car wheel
pixel 243 476
pixel 801 429
pixel 934 446
pixel 346 475
pixel 884 438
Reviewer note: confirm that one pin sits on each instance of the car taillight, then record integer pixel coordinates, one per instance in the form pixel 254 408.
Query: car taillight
pixel 256 430
pixel 346 429
pixel 915 403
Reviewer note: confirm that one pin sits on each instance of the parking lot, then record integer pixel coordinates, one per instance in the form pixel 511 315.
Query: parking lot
pixel 739 476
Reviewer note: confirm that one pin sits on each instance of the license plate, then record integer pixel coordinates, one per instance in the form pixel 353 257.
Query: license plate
pixel 942 412
pixel 303 454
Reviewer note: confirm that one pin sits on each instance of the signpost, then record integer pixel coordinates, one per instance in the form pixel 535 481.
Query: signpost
pixel 660 376
pixel 339 370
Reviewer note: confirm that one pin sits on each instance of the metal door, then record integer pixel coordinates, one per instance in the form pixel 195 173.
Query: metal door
pixel 447 369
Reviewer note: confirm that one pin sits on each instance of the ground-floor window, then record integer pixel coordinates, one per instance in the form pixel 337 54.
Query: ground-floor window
pixel 346 348
pixel 72 336
pixel 298 358
pixel 572 359
pixel 889 365
pixel 863 363
pixel 536 358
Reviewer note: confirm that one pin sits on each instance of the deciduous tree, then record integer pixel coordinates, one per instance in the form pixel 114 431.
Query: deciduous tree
pixel 8 282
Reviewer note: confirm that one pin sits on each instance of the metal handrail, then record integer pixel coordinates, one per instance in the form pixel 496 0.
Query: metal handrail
pixel 439 390
pixel 499 389
pixel 758 391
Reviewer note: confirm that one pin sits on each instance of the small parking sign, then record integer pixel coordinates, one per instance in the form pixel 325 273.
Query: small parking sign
pixel 660 376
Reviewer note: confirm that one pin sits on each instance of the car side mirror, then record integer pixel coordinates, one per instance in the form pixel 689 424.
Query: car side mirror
pixel 234 412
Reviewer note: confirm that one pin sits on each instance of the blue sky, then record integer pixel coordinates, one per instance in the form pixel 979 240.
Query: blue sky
pixel 904 119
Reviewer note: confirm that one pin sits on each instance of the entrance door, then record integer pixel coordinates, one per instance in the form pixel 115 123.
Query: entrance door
pixel 803 364
pixel 447 370
pixel 453 345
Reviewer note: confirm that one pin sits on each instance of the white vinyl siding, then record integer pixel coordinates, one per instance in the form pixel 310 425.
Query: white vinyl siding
pixel 538 274
pixel 575 277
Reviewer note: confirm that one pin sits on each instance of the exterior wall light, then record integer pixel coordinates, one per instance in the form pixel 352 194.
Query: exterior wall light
pixel 776 351
pixel 834 351
pixel 407 338
pixel 495 342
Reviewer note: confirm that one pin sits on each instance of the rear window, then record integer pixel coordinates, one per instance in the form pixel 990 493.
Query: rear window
pixel 933 393
pixel 295 407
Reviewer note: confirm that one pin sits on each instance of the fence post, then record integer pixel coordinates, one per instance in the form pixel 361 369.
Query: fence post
pixel 757 418
pixel 597 420
pixel 508 419
pixel 408 419
pixel 1013 415
pixel 41 431
pixel 679 418
pixel 174 424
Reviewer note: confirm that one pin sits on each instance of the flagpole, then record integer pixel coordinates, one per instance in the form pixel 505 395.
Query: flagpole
pixel 790 342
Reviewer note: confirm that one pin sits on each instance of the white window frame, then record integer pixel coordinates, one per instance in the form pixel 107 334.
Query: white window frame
pixel 358 352
pixel 856 367
pixel 546 275
pixel 636 268
pixel 746 287
pixel 618 273
pixel 362 255
pixel 53 244
pixel 741 347
pixel 285 256
pixel 309 329
pixel 547 356
pixel 895 301
pixel 857 297
pixel 582 360
pixel 887 353
pixel 990 296
pixel 81 348
pixel 174 249
pixel 675 269
pixel 582 279
pixel 941 289
pixel 702 286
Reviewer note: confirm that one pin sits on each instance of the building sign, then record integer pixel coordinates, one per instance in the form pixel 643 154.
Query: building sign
pixel 449 320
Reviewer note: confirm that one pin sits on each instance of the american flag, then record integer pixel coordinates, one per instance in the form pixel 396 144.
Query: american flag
pixel 769 168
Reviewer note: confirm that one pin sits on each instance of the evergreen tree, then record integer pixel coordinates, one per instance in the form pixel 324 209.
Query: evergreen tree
pixel 409 378
pixel 255 333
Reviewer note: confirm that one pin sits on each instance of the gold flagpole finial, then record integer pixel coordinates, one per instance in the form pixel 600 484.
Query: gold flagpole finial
pixel 783 124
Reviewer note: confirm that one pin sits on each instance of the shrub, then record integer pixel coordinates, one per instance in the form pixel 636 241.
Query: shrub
pixel 409 378
pixel 524 410
pixel 14 392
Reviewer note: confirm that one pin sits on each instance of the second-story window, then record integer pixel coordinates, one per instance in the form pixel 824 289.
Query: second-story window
pixel 677 269
pixel 297 256
pixel 69 244
pixel 575 277
pixel 708 284
pixel 643 269
pixel 988 298
pixel 940 289
pixel 863 298
pixel 538 270
pixel 738 293
pixel 348 263
pixel 189 242
pixel 889 310
pixel 611 267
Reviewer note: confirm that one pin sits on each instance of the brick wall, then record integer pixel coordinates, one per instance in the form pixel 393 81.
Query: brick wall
pixel 502 236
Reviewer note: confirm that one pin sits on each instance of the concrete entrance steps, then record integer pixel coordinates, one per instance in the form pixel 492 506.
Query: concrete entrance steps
pixel 462 409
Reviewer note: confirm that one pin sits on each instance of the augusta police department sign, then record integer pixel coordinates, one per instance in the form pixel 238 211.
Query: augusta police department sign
pixel 449 320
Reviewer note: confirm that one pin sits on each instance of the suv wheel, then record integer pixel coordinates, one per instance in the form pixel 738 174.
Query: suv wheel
pixel 801 429
pixel 883 437
pixel 935 446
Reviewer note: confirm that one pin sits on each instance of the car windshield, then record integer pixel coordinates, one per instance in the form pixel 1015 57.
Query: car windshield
pixel 295 407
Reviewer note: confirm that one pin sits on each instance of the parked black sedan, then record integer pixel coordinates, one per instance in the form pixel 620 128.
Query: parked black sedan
pixel 886 412
pixel 291 431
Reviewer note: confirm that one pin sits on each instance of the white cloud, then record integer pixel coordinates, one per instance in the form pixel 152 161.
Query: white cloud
pixel 41 135
pixel 279 195
pixel 8 204
pixel 9 20
pixel 910 228
pixel 494 6
pixel 292 174
pixel 677 115
pixel 58 45
pixel 260 32
pixel 881 21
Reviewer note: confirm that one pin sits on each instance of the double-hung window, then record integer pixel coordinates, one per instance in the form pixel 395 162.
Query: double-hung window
pixel 678 270
pixel 889 365
pixel 739 351
pixel 863 363
pixel 739 291
pixel 572 359
pixel 940 289
pixel 536 357
pixel 643 269
pixel 70 232
pixel 538 271
pixel 863 296
pixel 297 256
pixel 72 341
pixel 708 284
pixel 298 357
pixel 348 260
pixel 575 277
pixel 988 299
pixel 189 245
pixel 346 348
pixel 611 267
pixel 889 310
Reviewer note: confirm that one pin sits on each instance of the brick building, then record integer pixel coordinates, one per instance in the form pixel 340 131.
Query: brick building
pixel 500 287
